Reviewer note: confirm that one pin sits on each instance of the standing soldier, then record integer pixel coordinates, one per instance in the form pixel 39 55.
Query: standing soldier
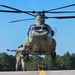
pixel 20 57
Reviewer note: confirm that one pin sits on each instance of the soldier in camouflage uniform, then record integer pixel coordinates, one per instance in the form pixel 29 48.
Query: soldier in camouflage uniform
pixel 20 57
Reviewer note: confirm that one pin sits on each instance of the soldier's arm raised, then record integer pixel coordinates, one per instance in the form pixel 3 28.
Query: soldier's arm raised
pixel 15 50
pixel 21 49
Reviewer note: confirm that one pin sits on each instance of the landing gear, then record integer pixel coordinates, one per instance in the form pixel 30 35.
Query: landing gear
pixel 26 54
pixel 53 55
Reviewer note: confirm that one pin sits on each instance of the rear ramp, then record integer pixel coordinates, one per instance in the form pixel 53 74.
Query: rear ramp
pixel 51 72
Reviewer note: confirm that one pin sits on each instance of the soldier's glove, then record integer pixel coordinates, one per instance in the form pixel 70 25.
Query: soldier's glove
pixel 8 50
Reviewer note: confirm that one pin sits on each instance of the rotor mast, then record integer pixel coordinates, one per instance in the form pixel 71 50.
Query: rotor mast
pixel 40 19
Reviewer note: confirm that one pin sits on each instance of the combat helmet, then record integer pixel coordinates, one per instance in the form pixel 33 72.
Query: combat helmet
pixel 20 46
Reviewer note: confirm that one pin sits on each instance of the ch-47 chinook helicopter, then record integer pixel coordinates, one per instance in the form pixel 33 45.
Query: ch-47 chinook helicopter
pixel 40 35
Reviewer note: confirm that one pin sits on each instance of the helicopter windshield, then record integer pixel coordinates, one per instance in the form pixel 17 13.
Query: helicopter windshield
pixel 39 28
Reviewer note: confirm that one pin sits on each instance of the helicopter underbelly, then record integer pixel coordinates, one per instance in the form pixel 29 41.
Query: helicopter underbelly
pixel 41 46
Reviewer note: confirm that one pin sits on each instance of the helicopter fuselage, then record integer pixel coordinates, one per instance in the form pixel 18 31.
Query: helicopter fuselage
pixel 40 40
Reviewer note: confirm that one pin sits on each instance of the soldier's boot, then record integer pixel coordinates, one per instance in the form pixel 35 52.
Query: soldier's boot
pixel 24 69
pixel 16 69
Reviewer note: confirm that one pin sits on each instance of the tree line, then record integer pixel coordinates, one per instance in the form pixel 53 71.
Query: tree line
pixel 65 62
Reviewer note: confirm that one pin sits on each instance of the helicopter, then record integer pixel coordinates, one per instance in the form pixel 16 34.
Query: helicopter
pixel 40 39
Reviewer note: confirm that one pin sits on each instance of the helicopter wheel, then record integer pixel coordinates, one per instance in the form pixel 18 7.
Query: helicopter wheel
pixel 53 55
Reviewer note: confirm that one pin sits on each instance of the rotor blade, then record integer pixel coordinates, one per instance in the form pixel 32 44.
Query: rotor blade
pixel 61 7
pixel 9 7
pixel 9 11
pixel 17 10
pixel 59 12
pixel 62 17
pixel 21 20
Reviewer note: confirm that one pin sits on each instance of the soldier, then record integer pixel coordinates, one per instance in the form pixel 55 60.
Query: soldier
pixel 43 67
pixel 20 57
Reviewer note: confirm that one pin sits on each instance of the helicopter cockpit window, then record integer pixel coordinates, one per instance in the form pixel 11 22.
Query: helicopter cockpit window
pixel 45 28
pixel 34 28
pixel 39 28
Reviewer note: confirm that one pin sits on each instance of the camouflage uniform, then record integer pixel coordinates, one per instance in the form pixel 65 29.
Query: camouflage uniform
pixel 20 57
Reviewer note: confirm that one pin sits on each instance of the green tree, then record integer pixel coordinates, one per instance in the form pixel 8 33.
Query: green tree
pixel 32 64
pixel 67 62
pixel 6 62
pixel 73 61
